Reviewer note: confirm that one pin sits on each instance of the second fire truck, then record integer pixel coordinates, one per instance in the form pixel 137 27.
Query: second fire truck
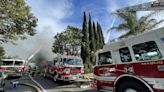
pixel 13 67
pixel 65 68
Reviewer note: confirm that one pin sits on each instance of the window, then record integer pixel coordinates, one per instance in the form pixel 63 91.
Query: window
pixel 105 58
pixel 18 62
pixel 78 62
pixel 125 54
pixel 7 63
pixel 68 61
pixel 146 51
pixel 72 61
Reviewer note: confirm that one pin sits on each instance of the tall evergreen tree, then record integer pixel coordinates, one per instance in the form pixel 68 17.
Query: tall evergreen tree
pixel 91 35
pixel 101 37
pixel 91 40
pixel 100 40
pixel 96 36
pixel 85 50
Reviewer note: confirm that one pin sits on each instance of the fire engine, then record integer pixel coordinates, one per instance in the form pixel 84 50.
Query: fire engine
pixel 134 64
pixel 64 68
pixel 13 67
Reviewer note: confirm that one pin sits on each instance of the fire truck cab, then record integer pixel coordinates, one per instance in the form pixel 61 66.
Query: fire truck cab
pixel 13 67
pixel 135 64
pixel 65 68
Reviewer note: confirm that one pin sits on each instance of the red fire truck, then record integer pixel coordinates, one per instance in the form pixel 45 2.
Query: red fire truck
pixel 13 67
pixel 135 64
pixel 65 68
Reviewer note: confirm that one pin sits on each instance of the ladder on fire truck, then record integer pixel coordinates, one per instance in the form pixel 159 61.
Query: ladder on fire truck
pixel 154 5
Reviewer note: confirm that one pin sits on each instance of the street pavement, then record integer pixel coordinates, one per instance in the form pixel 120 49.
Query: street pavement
pixel 50 86
pixel 47 84
pixel 19 88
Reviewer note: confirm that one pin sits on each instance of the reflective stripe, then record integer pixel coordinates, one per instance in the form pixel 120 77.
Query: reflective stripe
pixel 102 90
pixel 105 78
pixel 106 89
pixel 154 80
pixel 158 83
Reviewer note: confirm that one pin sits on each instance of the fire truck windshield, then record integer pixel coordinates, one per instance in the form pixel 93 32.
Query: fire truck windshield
pixel 7 63
pixel 71 61
pixel 11 63
pixel 18 63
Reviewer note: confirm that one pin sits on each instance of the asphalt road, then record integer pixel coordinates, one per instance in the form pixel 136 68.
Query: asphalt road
pixel 47 84
pixel 51 86
pixel 19 88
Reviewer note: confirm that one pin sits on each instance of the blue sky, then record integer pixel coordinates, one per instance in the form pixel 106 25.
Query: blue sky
pixel 57 14
pixel 54 16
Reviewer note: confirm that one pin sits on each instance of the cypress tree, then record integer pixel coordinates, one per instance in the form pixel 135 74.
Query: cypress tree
pixel 85 50
pixel 91 35
pixel 101 37
pixel 92 41
pixel 96 36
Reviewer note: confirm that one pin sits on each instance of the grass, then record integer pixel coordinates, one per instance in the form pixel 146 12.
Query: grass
pixel 89 75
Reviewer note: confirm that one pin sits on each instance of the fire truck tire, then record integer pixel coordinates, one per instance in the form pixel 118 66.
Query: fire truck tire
pixel 130 86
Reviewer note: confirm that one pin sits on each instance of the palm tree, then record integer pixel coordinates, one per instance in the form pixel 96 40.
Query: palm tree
pixel 135 25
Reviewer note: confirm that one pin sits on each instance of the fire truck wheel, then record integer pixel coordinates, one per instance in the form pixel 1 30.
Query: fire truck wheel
pixel 129 86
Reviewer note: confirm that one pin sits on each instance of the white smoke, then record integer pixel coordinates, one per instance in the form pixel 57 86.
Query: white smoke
pixel 50 16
